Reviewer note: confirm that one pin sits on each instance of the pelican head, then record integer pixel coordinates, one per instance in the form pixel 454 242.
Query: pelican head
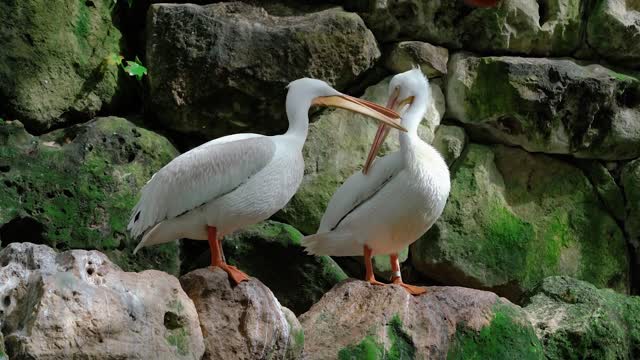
pixel 305 92
pixel 409 94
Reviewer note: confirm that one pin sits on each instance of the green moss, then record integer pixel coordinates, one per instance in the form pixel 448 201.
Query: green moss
pixel 580 321
pixel 179 338
pixel 82 192
pixel 401 345
pixel 504 338
pixel 367 349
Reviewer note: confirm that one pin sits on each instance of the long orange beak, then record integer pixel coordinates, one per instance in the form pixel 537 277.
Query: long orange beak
pixel 387 117
pixel 381 134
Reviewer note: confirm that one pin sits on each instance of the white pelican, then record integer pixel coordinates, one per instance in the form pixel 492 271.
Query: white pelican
pixel 237 180
pixel 399 199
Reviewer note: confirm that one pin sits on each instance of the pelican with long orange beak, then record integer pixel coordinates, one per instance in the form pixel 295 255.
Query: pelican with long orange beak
pixel 237 180
pixel 396 199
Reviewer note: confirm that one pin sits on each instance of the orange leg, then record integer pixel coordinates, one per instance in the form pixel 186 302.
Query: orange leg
pixel 397 278
pixel 369 267
pixel 217 259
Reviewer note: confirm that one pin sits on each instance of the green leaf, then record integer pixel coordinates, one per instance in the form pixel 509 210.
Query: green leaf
pixel 130 2
pixel 135 68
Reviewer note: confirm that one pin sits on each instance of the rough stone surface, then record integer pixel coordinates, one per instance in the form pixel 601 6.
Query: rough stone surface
pixel 3 354
pixel 406 54
pixel 357 320
pixel 53 64
pixel 337 146
pixel 78 302
pixel 222 68
pixel 450 141
pixel 630 179
pixel 244 321
pixel 271 251
pixel 513 26
pixel 576 320
pixel 75 188
pixel 544 105
pixel 606 186
pixel 514 218
pixel 613 30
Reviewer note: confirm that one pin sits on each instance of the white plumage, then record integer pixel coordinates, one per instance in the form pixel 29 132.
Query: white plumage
pixel 236 180
pixel 399 199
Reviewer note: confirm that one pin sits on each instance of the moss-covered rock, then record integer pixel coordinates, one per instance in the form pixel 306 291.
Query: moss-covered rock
pixel 630 179
pixel 547 105
pixel 75 188
pixel 606 186
pixel 514 218
pixel 337 146
pixel 450 142
pixel 271 252
pixel 613 30
pixel 223 68
pixel 388 323
pixel 513 26
pixel 54 63
pixel 576 320
pixel 3 354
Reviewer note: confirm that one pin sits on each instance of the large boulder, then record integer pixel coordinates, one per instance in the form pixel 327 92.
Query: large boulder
pixel 77 304
pixel 271 251
pixel 244 321
pixel 630 179
pixel 223 68
pixel 545 105
pixel 337 146
pixel 613 31
pixel 576 320
pixel 514 218
pixel 75 188
pixel 357 320
pixel 513 26
pixel 54 63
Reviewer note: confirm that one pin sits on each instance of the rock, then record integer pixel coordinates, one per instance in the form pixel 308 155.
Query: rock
pixel 544 105
pixel 3 354
pixel 357 320
pixel 244 321
pixel 450 141
pixel 51 78
pixel 406 54
pixel 613 30
pixel 576 320
pixel 222 68
pixel 271 251
pixel 78 302
pixel 350 136
pixel 514 26
pixel 514 218
pixel 75 188
pixel 630 179
pixel 604 183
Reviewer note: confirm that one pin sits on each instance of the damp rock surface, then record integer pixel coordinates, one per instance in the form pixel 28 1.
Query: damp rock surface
pixel 78 302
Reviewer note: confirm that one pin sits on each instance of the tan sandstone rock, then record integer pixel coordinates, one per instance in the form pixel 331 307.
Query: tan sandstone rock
pixel 356 320
pixel 78 304
pixel 244 321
